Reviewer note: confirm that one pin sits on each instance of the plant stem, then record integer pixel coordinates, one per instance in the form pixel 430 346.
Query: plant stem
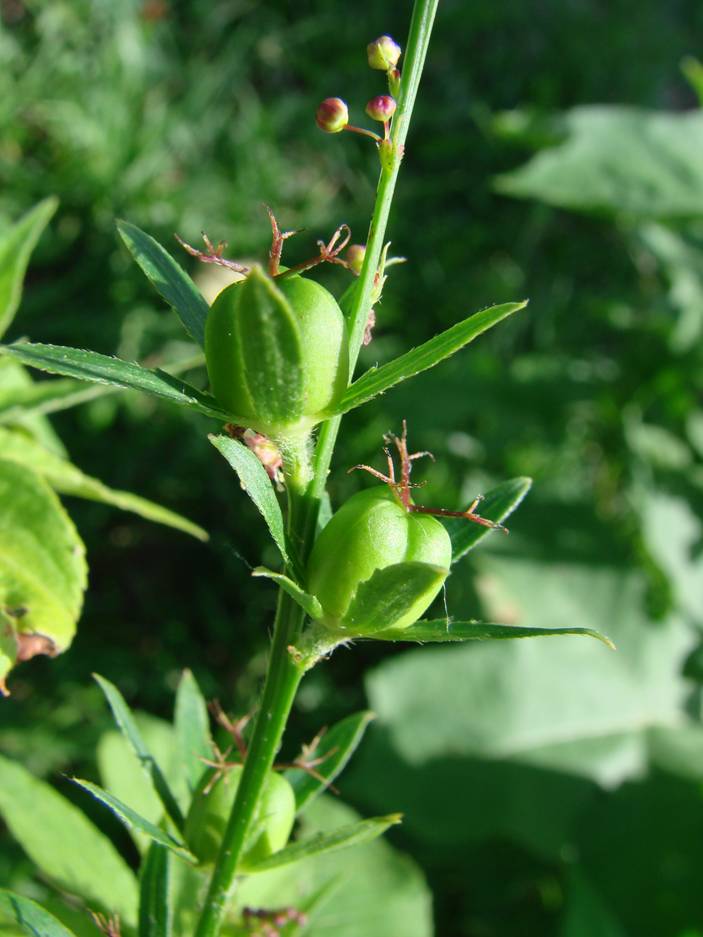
pixel 284 675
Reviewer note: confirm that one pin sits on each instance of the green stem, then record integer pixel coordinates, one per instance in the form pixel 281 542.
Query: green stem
pixel 284 675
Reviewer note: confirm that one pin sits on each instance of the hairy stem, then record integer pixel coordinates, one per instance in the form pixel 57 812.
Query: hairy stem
pixel 284 675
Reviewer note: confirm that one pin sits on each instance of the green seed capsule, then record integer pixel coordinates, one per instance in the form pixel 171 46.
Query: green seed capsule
pixel 277 353
pixel 209 812
pixel 376 565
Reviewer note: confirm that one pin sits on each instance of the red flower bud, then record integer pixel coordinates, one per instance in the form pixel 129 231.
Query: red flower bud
pixel 383 53
pixel 332 115
pixel 381 107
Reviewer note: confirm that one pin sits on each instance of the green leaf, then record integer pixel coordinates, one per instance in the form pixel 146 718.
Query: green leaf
pixel 497 505
pixel 389 593
pixel 63 844
pixel 169 279
pixel 332 753
pixel 128 727
pixel 192 729
pixel 30 916
pixel 363 831
pixel 378 380
pixel 121 772
pixel 134 821
pixel 307 602
pixel 34 395
pixel 68 479
pixel 445 631
pixel 523 734
pixel 91 366
pixel 42 564
pixel 619 160
pixel 14 381
pixel 375 891
pixel 585 913
pixel 255 481
pixel 16 246
pixel 155 893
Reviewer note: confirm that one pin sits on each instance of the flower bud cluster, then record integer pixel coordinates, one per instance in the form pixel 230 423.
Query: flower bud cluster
pixel 332 115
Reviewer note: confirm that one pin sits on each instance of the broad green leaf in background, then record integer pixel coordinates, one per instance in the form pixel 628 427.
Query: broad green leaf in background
pixel 16 246
pixel 257 484
pixel 672 531
pixel 332 752
pixel 522 732
pixel 30 917
pixel 378 380
pixel 192 730
pixel 64 845
pixel 134 821
pixel 91 366
pixel 620 160
pixel 127 725
pixel 155 896
pixel 14 382
pixel 42 562
pixel 169 279
pixel 68 479
pixel 445 631
pixel 309 603
pixel 122 774
pixel 353 834
pixel 498 504
pixel 375 891
pixel 586 914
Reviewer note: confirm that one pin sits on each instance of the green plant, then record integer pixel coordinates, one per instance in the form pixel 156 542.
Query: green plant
pixel 284 387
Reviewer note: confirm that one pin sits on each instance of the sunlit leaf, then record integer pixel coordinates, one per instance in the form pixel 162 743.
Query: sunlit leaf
pixel 169 279
pixel 363 831
pixel 16 246
pixel 378 380
pixel 30 916
pixel 498 504
pixel 91 366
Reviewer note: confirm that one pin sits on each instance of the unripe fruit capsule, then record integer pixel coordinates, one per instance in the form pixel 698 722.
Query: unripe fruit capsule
pixel 373 532
pixel 277 353
pixel 211 807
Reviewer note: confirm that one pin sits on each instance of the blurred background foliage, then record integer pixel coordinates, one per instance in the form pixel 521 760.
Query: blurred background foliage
pixel 551 787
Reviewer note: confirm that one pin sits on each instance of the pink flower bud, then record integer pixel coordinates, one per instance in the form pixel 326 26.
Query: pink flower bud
pixel 332 115
pixel 381 107
pixel 355 257
pixel 383 53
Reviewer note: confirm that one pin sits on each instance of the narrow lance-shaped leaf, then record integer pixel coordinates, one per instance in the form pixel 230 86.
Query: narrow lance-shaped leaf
pixel 64 844
pixel 128 727
pixel 352 835
pixel 307 602
pixel 330 756
pixel 155 893
pixel 91 366
pixel 44 397
pixel 378 380
pixel 442 631
pixel 67 478
pixel 192 728
pixel 16 246
pixel 134 821
pixel 30 916
pixel 169 279
pixel 257 485
pixel 498 504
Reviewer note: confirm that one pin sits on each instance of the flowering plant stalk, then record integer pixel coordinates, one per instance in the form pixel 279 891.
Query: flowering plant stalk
pixel 281 353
